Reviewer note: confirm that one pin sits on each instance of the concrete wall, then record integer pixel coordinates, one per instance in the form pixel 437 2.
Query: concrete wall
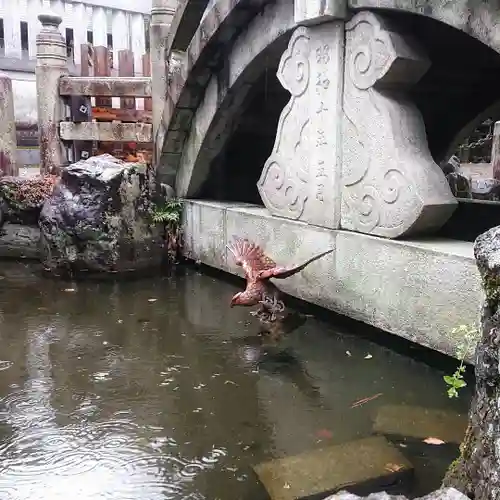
pixel 419 290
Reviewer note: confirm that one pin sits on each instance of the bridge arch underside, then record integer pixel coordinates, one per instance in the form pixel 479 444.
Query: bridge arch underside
pixel 235 171
pixel 221 120
pixel 462 81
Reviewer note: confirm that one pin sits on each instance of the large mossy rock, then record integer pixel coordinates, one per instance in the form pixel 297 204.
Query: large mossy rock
pixel 98 219
pixel 477 471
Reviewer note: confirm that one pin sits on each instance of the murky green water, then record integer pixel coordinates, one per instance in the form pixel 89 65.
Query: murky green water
pixel 149 390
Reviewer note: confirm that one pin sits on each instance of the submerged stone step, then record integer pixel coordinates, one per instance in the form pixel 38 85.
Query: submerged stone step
pixel 361 466
pixel 420 423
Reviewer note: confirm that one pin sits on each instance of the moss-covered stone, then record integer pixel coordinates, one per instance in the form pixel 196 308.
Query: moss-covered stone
pixel 22 198
pixel 476 472
pixel 98 218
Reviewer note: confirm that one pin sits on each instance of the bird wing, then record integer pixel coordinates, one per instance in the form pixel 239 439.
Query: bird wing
pixel 286 272
pixel 250 256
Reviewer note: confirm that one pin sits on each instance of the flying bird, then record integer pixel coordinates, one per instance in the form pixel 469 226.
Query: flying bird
pixel 259 269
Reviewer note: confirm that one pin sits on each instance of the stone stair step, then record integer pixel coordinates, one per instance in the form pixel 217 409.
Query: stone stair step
pixel 420 423
pixel 360 467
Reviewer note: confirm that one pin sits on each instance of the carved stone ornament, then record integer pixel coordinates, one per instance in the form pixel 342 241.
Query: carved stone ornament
pixel 301 178
pixel 391 185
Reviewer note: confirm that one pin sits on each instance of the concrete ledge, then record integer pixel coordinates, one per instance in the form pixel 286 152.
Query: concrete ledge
pixel 419 290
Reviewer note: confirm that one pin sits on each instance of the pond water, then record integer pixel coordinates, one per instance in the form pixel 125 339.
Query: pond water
pixel 149 390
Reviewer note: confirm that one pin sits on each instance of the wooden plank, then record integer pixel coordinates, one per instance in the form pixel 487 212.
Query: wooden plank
pixel 109 132
pixel 82 150
pixel 101 68
pixel 123 115
pixel 146 71
pixel 109 86
pixel 126 69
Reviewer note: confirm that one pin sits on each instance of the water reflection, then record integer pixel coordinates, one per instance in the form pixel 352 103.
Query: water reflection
pixel 157 390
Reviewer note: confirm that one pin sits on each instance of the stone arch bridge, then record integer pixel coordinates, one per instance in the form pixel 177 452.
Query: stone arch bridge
pixel 306 124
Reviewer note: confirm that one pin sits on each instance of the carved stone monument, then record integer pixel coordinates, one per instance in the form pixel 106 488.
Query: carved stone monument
pixel 301 178
pixel 391 184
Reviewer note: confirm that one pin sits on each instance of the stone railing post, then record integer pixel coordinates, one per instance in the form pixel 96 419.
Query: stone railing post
pixel 495 152
pixel 51 64
pixel 8 141
pixel 162 13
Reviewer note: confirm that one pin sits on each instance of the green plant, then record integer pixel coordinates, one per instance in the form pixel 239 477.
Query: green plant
pixel 169 215
pixel 456 381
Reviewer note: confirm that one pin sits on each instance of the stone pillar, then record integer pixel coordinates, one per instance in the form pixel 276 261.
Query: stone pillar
pixel 391 186
pixel 495 152
pixel 51 64
pixel 8 142
pixel 162 13
pixel 301 178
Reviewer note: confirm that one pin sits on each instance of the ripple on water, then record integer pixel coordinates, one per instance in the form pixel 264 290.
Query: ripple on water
pixel 4 365
pixel 107 460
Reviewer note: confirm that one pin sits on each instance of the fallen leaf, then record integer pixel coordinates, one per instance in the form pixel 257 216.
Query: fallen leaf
pixel 393 467
pixel 434 441
pixel 324 434
pixel 368 356
pixel 152 300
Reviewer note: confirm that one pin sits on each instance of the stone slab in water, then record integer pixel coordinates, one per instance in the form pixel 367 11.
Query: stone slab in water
pixel 18 241
pixel 421 423
pixel 360 466
pixel 442 494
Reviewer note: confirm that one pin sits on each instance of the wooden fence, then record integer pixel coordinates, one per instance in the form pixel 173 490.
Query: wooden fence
pixel 99 127
pixel 76 116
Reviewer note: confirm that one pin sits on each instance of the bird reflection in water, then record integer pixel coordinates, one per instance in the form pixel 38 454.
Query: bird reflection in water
pixel 267 351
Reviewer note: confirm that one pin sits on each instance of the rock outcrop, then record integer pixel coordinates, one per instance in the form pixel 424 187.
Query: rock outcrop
pixel 98 219
pixel 443 494
pixel 477 471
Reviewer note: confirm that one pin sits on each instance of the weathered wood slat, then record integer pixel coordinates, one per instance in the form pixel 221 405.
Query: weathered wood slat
pixel 104 131
pixel 105 86
pixel 122 115
pixel 102 70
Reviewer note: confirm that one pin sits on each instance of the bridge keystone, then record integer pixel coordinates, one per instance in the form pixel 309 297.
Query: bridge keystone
pixel 310 12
